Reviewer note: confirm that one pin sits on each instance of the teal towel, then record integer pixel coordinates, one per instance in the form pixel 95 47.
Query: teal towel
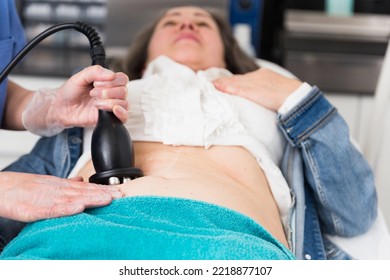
pixel 144 227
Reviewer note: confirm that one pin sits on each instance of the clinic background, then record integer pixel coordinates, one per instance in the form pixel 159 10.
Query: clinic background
pixel 338 45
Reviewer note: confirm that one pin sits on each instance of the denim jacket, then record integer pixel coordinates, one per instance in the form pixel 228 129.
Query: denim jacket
pixel 331 183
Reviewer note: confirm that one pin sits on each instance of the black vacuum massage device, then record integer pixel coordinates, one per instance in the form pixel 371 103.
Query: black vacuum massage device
pixel 111 146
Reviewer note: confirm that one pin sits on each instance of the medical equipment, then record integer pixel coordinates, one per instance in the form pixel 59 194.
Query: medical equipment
pixel 111 145
pixel 245 17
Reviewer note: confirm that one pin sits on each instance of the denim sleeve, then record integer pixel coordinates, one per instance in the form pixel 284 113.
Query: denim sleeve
pixel 56 155
pixel 339 176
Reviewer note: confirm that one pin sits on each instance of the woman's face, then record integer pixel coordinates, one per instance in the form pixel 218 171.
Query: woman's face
pixel 190 36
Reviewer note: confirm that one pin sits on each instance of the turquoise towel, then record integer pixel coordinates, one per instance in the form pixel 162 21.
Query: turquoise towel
pixel 144 227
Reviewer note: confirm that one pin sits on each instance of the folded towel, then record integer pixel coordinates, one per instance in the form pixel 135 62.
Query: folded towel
pixel 147 227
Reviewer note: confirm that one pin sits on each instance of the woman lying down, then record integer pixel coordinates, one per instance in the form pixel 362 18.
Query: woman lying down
pixel 229 161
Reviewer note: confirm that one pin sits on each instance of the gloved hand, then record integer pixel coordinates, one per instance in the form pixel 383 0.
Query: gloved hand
pixel 32 197
pixel 77 101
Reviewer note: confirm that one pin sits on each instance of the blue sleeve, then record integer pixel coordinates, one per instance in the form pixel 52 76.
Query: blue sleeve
pixel 11 27
pixel 337 173
pixel 12 40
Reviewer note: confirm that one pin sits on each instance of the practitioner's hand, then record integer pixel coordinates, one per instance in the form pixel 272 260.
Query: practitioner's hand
pixel 108 92
pixel 30 197
pixel 263 86
pixel 76 102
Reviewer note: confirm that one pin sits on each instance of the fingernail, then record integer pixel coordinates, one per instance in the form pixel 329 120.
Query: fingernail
pixel 121 110
pixel 127 92
pixel 115 193
pixel 100 104
pixel 107 71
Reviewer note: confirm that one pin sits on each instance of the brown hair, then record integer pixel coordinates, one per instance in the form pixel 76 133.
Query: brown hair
pixel 237 61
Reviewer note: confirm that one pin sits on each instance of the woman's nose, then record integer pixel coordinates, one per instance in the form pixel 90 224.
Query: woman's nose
pixel 187 25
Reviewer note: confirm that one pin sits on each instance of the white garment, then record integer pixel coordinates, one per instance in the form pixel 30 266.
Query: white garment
pixel 174 105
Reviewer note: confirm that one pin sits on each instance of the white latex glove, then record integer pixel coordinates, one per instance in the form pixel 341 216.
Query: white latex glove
pixel 77 101
pixel 32 197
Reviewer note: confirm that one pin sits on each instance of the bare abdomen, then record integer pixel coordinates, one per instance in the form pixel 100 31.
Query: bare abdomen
pixel 226 176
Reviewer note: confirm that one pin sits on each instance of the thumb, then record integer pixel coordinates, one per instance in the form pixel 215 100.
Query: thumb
pixel 224 85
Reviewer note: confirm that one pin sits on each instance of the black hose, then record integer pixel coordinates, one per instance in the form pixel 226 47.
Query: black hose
pixel 98 54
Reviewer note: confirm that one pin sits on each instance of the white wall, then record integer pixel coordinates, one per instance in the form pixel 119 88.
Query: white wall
pixel 14 144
